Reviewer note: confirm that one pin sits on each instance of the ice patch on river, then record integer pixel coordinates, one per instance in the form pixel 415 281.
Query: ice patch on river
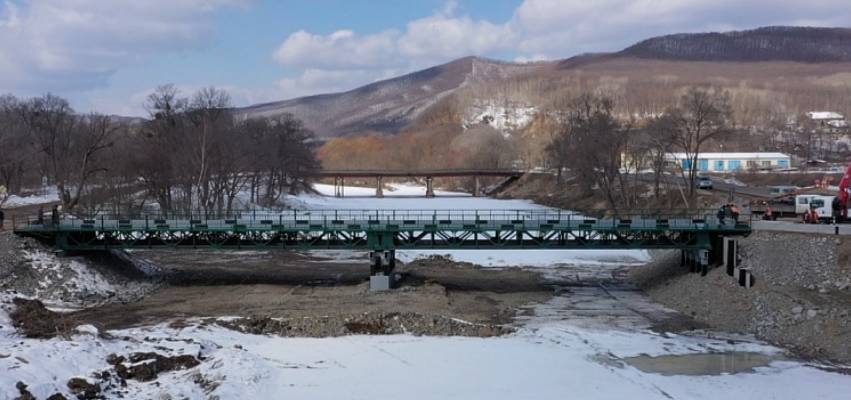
pixel 402 197
pixel 411 197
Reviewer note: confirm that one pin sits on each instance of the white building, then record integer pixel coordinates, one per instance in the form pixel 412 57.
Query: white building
pixel 829 119
pixel 825 116
pixel 723 162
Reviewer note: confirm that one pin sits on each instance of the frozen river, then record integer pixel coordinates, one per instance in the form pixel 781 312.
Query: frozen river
pixel 585 343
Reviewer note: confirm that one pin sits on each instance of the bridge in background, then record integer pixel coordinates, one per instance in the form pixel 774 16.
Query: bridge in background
pixel 699 235
pixel 340 176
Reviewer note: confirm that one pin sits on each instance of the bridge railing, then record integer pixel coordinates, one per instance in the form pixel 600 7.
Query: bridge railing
pixel 636 218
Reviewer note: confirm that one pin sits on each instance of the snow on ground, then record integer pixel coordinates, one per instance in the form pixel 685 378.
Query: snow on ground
pixel 547 358
pixel 51 195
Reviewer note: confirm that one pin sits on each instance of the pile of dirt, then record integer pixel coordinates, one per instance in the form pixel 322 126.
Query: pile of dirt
pixel 33 270
pixel 144 367
pixel 801 301
pixel 83 389
pixel 25 394
pixel 34 320
pixel 364 324
pixel 547 190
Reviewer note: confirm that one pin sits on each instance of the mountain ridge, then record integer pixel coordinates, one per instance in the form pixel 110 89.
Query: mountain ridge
pixel 388 106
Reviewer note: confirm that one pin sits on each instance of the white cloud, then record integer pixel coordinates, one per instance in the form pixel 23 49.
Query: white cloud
pixel 345 59
pixel 342 49
pixel 444 35
pixel 78 44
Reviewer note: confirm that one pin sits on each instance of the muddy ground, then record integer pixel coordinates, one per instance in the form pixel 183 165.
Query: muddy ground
pixel 287 285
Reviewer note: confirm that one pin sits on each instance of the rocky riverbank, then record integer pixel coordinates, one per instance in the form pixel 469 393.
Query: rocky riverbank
pixel 802 299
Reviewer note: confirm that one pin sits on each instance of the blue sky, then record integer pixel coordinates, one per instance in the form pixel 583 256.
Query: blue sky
pixel 107 55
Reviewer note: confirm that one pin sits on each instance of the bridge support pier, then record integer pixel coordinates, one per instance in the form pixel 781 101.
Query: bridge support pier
pixel 476 188
pixel 731 255
pixel 429 186
pixel 695 260
pixel 381 270
pixel 379 190
pixel 339 184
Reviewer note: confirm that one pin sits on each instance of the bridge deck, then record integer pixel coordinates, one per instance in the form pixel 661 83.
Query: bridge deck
pixel 389 229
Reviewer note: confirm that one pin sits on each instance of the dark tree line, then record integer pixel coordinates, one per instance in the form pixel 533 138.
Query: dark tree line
pixel 192 153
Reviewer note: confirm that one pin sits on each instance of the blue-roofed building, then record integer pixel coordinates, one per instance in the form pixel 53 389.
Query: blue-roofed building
pixel 729 162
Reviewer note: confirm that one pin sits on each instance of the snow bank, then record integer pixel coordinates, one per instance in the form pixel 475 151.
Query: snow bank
pixel 51 196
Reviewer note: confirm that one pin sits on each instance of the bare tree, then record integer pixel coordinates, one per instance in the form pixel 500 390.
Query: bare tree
pixel 209 116
pixel 69 145
pixel 16 152
pixel 591 143
pixel 703 114
pixel 658 141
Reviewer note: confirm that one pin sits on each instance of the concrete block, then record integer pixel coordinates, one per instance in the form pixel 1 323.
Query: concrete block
pixel 378 283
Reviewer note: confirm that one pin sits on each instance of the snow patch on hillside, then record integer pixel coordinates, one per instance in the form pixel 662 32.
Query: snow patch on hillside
pixel 503 116
pixel 51 195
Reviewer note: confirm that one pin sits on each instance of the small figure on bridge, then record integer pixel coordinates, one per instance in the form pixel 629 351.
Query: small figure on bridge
pixel 725 213
pixel 768 215
pixel 54 216
pixel 734 211
pixel 40 216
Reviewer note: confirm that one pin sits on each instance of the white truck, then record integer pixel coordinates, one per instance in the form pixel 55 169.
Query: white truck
pixel 815 208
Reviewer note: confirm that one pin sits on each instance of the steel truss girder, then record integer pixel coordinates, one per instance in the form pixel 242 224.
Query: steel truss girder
pixel 307 239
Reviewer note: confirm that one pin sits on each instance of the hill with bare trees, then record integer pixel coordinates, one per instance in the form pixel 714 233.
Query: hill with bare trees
pixel 772 73
pixel 387 106
pixel 776 43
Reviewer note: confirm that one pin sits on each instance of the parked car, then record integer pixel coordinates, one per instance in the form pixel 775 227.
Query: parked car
pixel 704 182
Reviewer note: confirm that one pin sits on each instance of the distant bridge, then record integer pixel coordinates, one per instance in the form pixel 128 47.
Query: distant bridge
pixel 429 175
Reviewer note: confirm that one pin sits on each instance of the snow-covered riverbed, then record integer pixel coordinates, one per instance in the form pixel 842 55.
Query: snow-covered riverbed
pixel 577 345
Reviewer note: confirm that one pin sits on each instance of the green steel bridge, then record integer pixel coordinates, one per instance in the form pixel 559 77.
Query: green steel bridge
pixel 381 230
pixel 700 235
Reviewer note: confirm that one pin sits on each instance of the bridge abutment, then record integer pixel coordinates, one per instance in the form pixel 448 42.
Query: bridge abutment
pixel 382 264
